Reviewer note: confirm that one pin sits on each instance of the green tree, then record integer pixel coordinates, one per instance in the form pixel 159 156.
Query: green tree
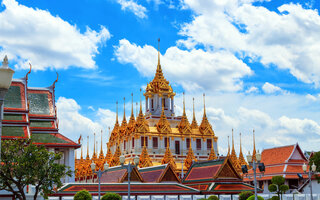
pixel 82 195
pixel 111 196
pixel 213 197
pixel 24 163
pixel 252 197
pixel 278 186
pixel 316 160
pixel 245 195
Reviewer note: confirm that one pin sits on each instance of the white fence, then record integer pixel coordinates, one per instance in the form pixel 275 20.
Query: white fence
pixel 196 197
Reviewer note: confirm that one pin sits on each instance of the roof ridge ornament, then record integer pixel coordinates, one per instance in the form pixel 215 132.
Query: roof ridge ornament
pixel 5 62
pixel 27 75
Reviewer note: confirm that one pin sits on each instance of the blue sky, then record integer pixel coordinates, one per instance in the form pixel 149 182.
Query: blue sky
pixel 257 61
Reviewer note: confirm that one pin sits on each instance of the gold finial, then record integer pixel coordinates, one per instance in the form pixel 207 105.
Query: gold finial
pixel 194 124
pixel 159 66
pixel 228 146
pixel 101 142
pixel 184 105
pixel 132 104
pixel 117 112
pixel 136 108
pixel 124 108
pixel 254 147
pixel 88 146
pixel 140 102
pixel 94 143
pixel 204 104
pixel 240 144
pixel 232 141
pixel 81 152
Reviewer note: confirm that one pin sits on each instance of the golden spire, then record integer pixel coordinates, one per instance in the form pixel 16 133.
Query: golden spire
pixel 159 66
pixel 115 132
pixel 190 156
pixel 88 157
pixel 145 160
pixel 109 154
pixel 233 156
pixel 123 127
pixel 159 84
pixel 94 156
pixel 242 161
pixel 168 158
pixel 115 161
pixel 184 126
pixel 205 127
pixel 131 123
pixel 254 148
pixel 194 123
pixel 141 124
pixel 163 125
pixel 228 147
pixel 212 155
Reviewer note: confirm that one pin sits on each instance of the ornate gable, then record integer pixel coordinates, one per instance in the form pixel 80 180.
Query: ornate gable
pixel 145 160
pixel 227 170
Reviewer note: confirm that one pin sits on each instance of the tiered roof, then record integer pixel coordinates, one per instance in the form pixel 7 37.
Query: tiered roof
pixel 184 125
pixel 205 126
pixel 31 113
pixel 233 156
pixel 163 125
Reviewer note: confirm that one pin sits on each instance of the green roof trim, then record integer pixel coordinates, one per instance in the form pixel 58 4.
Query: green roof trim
pixel 13 117
pixel 41 124
pixel 46 138
pixel 13 98
pixel 39 103
pixel 13 131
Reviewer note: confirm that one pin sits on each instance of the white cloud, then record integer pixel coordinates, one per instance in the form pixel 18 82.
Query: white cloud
pixel 132 6
pixel 194 70
pixel 311 97
pixel 270 88
pixel 72 123
pixel 289 39
pixel 252 89
pixel 47 41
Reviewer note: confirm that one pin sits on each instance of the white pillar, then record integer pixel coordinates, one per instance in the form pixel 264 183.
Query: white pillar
pixel 147 103
pixel 70 156
pixel 172 104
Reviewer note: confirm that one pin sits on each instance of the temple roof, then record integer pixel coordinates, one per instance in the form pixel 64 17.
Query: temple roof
pixel 210 171
pixel 160 173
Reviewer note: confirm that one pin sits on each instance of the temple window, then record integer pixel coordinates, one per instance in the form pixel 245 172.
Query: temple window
pixel 124 145
pixel 209 144
pixel 163 102
pixel 198 144
pixel 155 142
pixel 188 143
pixel 152 103
pixel 142 141
pixel 132 142
pixel 165 142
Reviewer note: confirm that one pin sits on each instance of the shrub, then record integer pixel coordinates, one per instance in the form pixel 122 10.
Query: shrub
pixel 111 196
pixel 213 197
pixel 245 195
pixel 252 198
pixel 274 198
pixel 82 195
pixel 202 199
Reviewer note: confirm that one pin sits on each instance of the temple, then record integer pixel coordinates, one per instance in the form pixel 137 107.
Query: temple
pixel 158 136
pixel 31 113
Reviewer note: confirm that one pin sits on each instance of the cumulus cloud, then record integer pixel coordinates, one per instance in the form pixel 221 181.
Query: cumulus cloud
pixel 270 88
pixel 194 69
pixel 47 41
pixel 134 7
pixel 72 122
pixel 289 39
pixel 252 89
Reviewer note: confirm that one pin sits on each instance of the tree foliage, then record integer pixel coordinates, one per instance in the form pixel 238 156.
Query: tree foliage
pixel 316 160
pixel 82 195
pixel 245 195
pixel 278 186
pixel 24 163
pixel 213 197
pixel 252 197
pixel 111 196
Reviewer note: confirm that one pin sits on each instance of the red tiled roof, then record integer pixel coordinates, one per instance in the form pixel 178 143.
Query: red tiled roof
pixel 276 155
pixel 152 176
pixel 113 176
pixel 206 172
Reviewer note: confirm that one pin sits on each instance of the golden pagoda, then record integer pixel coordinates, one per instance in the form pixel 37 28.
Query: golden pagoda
pixel 254 148
pixel 241 159
pixel 212 155
pixel 159 123
pixel 233 156
pixel 190 156
pixel 123 127
pixel 145 160
pixel 115 161
pixel 108 156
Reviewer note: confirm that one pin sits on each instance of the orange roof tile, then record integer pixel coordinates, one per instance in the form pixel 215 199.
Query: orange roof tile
pixel 276 155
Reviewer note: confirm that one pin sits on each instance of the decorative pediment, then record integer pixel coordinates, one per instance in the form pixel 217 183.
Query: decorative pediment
pixel 163 125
